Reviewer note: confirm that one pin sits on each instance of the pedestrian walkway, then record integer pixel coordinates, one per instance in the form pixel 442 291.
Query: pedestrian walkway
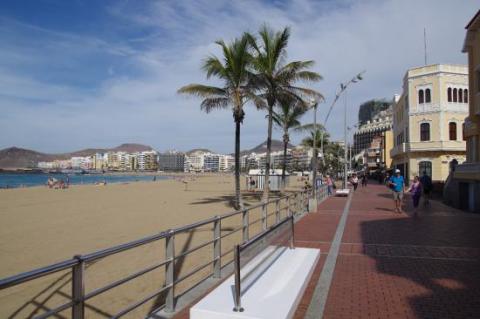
pixel 391 265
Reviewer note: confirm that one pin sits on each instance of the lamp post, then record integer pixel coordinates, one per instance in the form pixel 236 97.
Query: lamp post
pixel 313 201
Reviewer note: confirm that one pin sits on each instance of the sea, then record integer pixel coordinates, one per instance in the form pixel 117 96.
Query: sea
pixel 14 180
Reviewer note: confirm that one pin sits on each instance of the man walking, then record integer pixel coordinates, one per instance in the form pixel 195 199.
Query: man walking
pixel 397 184
pixel 427 186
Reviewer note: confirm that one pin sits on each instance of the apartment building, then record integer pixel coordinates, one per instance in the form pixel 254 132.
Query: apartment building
pixel 171 161
pixel 465 189
pixel 428 119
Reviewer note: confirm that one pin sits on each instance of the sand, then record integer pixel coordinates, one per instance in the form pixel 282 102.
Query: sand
pixel 40 226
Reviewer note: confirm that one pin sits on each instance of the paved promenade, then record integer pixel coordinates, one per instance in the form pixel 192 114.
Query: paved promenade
pixel 380 264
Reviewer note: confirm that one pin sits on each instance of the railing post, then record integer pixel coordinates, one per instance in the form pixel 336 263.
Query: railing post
pixel 292 238
pixel 170 271
pixel 217 247
pixel 245 224
pixel 78 289
pixel 289 205
pixel 264 216
pixel 238 290
pixel 277 211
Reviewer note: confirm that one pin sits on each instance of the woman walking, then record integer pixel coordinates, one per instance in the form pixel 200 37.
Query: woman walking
pixel 354 181
pixel 416 191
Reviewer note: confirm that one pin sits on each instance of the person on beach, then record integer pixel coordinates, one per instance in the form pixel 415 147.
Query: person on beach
pixel 397 184
pixel 416 191
pixel 329 183
pixel 427 186
pixel 354 181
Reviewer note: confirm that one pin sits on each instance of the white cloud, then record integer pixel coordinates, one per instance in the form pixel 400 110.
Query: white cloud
pixel 135 99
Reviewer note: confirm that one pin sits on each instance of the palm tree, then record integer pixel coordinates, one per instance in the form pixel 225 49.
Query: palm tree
pixel 275 80
pixel 287 118
pixel 233 71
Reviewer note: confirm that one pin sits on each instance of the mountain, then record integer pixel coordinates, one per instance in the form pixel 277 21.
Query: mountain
pixel 14 157
pixel 262 148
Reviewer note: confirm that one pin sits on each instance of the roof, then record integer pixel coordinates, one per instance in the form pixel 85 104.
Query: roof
pixel 475 17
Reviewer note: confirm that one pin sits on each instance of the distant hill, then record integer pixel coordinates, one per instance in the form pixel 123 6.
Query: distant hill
pixel 14 157
pixel 371 108
pixel 262 148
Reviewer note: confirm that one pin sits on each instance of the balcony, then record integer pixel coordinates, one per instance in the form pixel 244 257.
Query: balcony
pixel 428 147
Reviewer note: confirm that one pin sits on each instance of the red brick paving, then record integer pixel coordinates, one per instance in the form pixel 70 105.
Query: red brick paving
pixel 393 265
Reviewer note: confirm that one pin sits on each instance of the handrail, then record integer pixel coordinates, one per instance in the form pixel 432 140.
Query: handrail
pixel 294 205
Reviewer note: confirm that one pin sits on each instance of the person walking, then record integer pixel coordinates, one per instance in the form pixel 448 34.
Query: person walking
pixel 329 185
pixel 364 180
pixel 397 184
pixel 354 181
pixel 416 191
pixel 427 187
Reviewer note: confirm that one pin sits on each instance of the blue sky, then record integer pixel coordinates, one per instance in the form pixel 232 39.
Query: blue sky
pixel 77 74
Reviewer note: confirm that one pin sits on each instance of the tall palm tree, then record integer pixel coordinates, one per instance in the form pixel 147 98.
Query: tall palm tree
pixel 274 79
pixel 287 117
pixel 233 71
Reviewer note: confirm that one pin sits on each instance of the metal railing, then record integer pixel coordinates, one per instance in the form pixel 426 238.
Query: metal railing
pixel 293 204
pixel 289 220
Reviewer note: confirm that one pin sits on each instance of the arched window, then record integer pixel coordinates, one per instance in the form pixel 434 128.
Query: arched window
pixel 452 130
pixel 449 94
pixel 425 167
pixel 425 132
pixel 420 97
pixel 465 95
pixel 454 95
pixel 460 95
pixel 428 96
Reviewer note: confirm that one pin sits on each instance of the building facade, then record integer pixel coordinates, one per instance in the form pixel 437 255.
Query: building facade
pixel 428 119
pixel 465 190
pixel 172 161
pixel 374 140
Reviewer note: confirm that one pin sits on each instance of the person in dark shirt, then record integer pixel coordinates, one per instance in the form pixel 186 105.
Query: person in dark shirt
pixel 427 187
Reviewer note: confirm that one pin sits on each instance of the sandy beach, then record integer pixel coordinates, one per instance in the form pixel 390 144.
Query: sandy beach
pixel 39 226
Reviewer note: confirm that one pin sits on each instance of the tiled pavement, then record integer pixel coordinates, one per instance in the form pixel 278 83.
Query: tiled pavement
pixel 394 265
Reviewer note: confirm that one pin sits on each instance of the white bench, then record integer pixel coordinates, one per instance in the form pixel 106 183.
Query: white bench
pixel 275 292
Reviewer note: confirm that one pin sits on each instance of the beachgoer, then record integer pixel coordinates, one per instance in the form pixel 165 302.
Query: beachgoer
pixel 427 186
pixel 397 184
pixel 354 181
pixel 329 183
pixel 416 191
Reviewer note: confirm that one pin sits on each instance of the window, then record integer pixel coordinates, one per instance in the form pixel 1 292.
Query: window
pixel 425 132
pixel 454 95
pixel 428 97
pixel 425 167
pixel 452 130
pixel 420 97
pixel 460 95
pixel 465 95
pixel 449 94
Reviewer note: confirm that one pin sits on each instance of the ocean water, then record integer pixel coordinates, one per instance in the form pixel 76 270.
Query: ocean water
pixel 12 180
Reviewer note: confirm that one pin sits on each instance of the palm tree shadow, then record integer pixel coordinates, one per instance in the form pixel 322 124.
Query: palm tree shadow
pixel 250 199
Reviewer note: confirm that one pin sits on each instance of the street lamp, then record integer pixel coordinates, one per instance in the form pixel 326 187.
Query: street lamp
pixel 313 202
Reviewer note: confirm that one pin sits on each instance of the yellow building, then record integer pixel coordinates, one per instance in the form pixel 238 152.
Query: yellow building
pixel 428 119
pixel 465 190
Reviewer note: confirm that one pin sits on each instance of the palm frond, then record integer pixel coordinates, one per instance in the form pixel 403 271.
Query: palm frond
pixel 210 104
pixel 203 91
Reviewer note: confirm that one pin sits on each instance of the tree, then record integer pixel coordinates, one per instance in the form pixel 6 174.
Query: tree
pixel 233 71
pixel 275 80
pixel 287 117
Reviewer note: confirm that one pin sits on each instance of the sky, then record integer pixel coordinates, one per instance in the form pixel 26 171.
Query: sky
pixel 85 73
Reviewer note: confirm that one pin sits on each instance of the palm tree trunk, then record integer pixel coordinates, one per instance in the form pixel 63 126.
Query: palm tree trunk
pixel 284 166
pixel 238 197
pixel 266 187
